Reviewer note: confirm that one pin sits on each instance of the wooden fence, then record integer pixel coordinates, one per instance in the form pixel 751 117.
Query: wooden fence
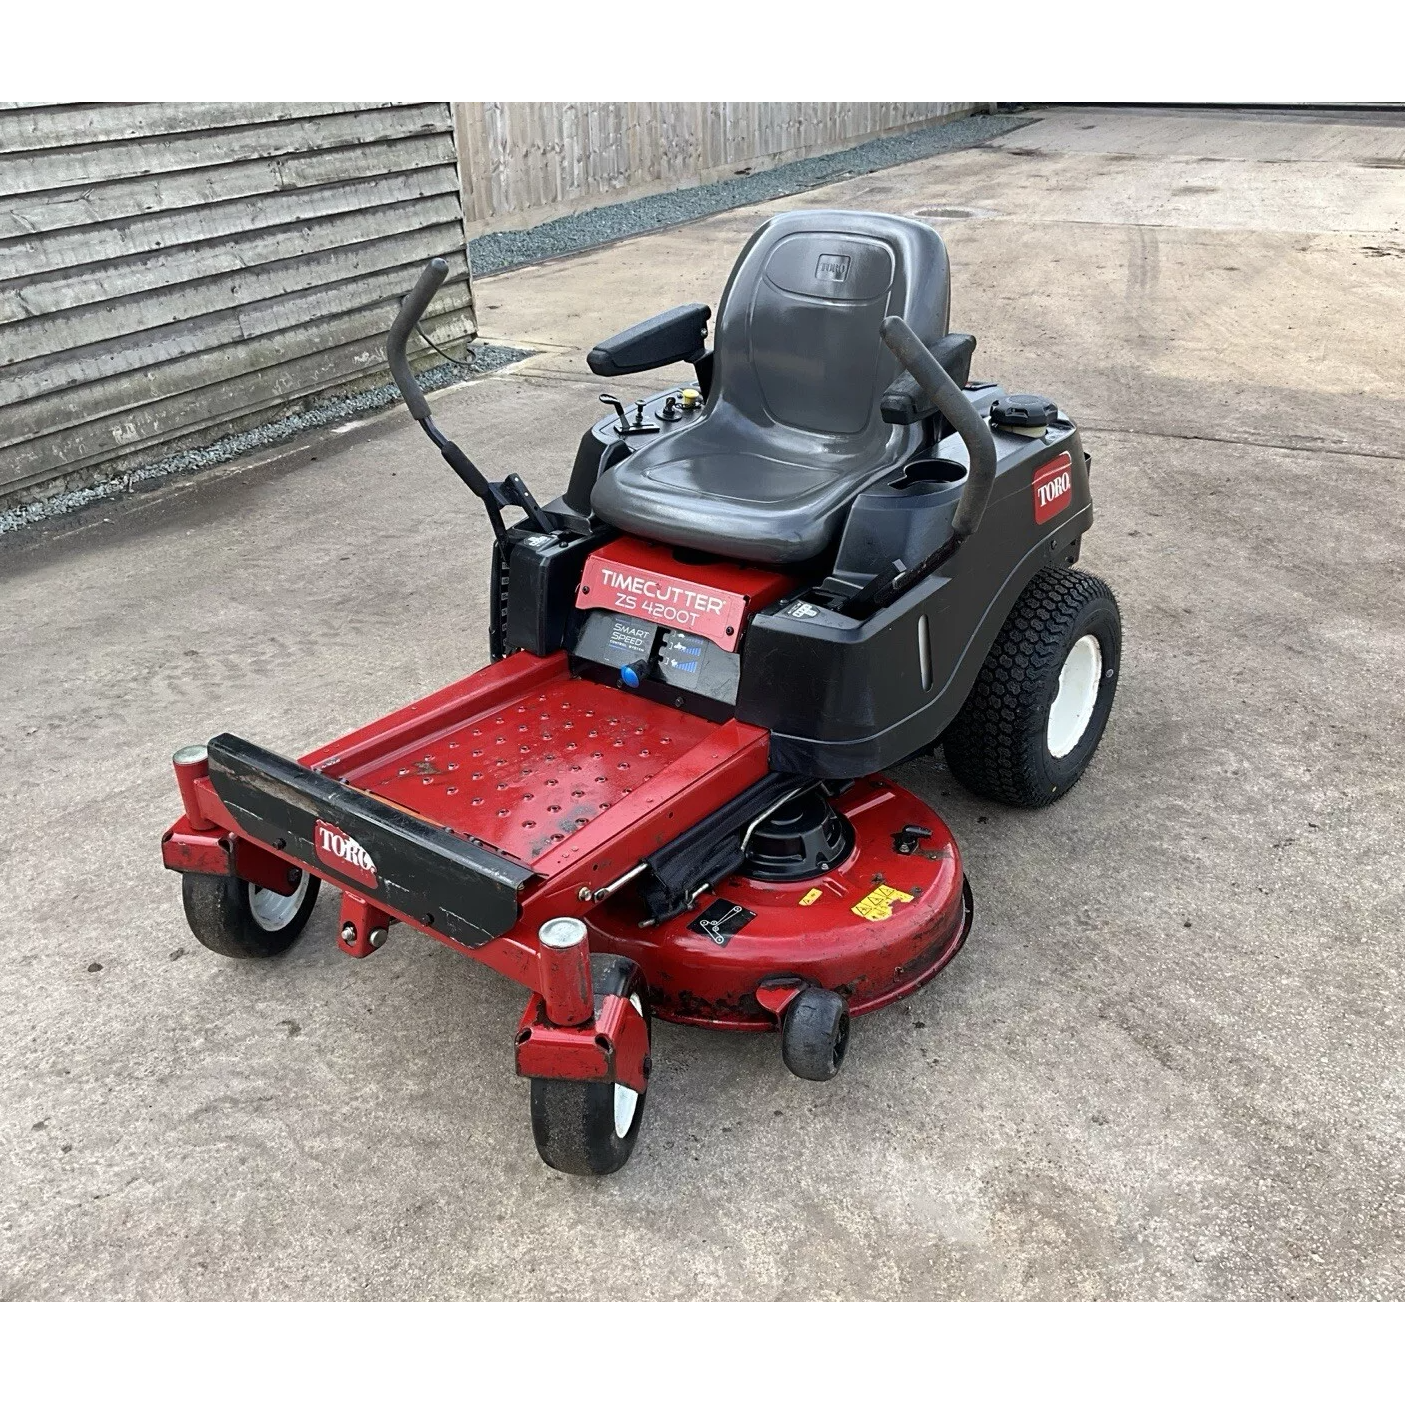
pixel 523 162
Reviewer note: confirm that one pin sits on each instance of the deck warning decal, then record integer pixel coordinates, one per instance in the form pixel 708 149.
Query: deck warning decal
pixel 878 905
pixel 722 921
pixel 813 896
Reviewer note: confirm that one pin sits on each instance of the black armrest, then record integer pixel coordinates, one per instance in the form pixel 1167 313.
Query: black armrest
pixel 905 402
pixel 671 336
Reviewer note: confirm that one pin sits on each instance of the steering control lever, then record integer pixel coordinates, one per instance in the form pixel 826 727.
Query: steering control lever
pixel 961 415
pixel 494 496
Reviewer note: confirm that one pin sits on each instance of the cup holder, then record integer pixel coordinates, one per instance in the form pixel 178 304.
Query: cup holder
pixel 929 471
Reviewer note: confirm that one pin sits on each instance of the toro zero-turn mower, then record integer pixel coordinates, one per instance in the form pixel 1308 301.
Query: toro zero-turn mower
pixel 663 797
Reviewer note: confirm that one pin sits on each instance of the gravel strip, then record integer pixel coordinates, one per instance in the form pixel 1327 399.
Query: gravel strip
pixel 511 248
pixel 333 410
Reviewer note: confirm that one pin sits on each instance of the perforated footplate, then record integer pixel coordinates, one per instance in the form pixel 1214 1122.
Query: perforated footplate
pixel 523 776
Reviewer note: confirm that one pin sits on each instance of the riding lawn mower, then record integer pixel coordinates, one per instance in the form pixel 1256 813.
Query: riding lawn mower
pixel 829 551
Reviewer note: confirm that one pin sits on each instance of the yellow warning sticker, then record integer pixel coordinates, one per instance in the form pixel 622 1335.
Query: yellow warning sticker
pixel 813 896
pixel 878 905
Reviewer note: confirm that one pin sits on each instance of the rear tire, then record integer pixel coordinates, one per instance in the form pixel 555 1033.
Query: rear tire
pixel 242 920
pixel 1041 700
pixel 589 1129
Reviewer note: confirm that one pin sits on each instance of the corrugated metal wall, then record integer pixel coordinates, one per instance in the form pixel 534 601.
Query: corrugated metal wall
pixel 171 272
pixel 523 162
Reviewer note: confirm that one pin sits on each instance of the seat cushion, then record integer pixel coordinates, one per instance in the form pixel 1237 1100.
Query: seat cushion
pixel 750 506
pixel 791 431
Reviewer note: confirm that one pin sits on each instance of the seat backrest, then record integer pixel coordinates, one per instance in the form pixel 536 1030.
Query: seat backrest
pixel 796 343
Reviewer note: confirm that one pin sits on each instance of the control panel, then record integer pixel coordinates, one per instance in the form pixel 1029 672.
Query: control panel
pixel 697 664
pixel 649 416
pixel 657 660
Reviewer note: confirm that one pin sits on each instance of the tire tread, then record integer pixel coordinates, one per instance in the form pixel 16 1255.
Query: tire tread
pixel 217 912
pixel 994 744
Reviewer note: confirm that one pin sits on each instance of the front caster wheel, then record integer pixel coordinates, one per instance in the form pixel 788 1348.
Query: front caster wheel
pixel 589 1129
pixel 240 919
pixel 815 1034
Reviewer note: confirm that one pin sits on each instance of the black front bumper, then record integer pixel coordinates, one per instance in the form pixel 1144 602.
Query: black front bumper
pixel 432 875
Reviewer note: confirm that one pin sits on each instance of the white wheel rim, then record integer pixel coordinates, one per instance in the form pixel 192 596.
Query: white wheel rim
pixel 273 911
pixel 1079 680
pixel 626 1099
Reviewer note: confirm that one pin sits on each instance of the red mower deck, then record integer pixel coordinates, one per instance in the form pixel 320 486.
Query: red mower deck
pixel 875 928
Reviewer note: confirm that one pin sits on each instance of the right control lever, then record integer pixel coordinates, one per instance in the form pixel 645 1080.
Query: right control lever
pixel 947 396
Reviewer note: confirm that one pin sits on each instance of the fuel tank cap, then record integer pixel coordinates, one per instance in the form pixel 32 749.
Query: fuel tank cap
pixel 1023 413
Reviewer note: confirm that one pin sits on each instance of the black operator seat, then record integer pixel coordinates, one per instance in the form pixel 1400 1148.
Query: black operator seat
pixel 791 430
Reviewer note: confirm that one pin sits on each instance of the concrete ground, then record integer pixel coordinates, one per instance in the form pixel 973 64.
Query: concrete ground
pixel 1167 1064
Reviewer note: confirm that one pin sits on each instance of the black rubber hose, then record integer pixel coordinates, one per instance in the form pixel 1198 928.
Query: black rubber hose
pixel 411 310
pixel 960 414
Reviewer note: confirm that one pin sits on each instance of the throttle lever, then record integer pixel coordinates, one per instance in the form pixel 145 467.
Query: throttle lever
pixel 624 428
pixel 617 405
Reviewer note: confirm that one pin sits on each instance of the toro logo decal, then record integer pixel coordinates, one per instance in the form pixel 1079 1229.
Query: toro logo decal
pixel 1053 488
pixel 337 849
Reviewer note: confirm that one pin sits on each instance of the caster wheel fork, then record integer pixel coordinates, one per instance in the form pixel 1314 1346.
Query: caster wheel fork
pixel 589 1129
